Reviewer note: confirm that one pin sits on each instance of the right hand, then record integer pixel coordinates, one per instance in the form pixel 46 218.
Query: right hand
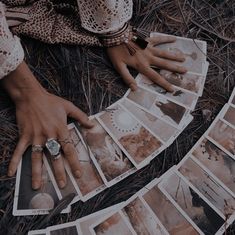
pixel 41 116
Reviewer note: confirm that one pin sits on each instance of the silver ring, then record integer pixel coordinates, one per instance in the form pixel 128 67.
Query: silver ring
pixel 53 146
pixel 37 148
pixel 66 141
pixel 56 157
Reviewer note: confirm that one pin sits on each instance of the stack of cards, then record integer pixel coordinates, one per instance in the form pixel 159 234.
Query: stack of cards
pixel 195 197
pixel 127 135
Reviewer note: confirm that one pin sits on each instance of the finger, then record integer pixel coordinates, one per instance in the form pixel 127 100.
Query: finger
pixel 127 77
pixel 59 171
pixel 17 155
pixel 70 153
pixel 76 113
pixel 178 56
pixel 158 79
pixel 37 165
pixel 168 65
pixel 157 40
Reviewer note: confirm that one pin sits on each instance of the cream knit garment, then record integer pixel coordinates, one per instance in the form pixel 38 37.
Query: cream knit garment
pixel 97 16
pixel 11 51
pixel 103 16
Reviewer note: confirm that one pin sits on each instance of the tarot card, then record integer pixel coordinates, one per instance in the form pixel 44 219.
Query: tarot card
pixel 224 135
pixel 141 219
pixel 232 98
pixel 115 224
pixel 90 183
pixel 228 114
pixel 159 106
pixel 87 221
pixel 137 142
pixel 71 228
pixel 215 162
pixel 163 130
pixel 191 203
pixel 37 232
pixel 28 201
pixel 171 218
pixel 200 180
pixel 111 162
pixel 193 50
pixel 191 82
pixel 69 188
pixel 178 96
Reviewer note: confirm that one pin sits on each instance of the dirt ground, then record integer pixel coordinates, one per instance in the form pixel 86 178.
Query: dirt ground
pixel 85 76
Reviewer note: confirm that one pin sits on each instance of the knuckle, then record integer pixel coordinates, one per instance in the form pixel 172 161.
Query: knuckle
pixel 14 162
pixel 36 157
pixel 69 152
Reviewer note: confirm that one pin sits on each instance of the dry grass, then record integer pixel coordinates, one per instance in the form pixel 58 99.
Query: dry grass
pixel 86 77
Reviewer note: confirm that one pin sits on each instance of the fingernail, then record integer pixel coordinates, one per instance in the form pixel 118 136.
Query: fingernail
pixel 61 183
pixel 10 173
pixel 78 173
pixel 133 87
pixel 36 185
pixel 170 89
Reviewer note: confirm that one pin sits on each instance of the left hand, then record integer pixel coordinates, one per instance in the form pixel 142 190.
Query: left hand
pixel 142 61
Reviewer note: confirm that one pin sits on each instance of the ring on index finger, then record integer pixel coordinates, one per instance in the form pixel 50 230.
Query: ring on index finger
pixel 66 141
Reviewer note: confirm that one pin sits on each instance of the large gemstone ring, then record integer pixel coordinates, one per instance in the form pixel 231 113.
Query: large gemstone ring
pixel 53 147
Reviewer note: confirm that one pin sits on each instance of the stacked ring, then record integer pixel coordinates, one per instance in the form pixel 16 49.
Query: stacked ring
pixel 37 148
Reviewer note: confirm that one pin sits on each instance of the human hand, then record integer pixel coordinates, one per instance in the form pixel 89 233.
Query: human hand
pixel 41 116
pixel 142 61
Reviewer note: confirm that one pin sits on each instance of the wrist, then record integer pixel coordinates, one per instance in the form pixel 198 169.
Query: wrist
pixel 21 84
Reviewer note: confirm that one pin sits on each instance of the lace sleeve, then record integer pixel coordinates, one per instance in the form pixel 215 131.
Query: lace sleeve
pixel 103 16
pixel 11 51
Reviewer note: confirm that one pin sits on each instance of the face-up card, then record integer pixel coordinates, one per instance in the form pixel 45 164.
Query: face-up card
pixel 191 82
pixel 115 224
pixel 37 232
pixel 208 187
pixel 171 218
pixel 159 106
pixel 142 219
pixel 216 162
pixel 87 221
pixel 138 143
pixel 224 135
pixel 190 202
pixel 167 133
pixel 28 201
pixel 71 228
pixel 232 98
pixel 179 96
pixel 69 187
pixel 111 162
pixel 229 114
pixel 90 183
pixel 193 50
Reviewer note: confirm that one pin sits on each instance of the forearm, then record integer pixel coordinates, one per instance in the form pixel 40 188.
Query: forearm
pixel 21 83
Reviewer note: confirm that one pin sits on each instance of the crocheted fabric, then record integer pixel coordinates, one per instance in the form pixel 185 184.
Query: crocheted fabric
pixel 11 51
pixel 102 16
pixel 59 21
